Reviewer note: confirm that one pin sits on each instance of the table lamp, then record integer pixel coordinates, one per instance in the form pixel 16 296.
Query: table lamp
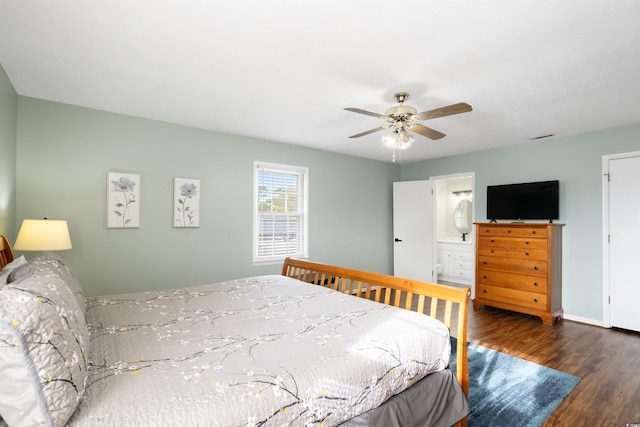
pixel 43 235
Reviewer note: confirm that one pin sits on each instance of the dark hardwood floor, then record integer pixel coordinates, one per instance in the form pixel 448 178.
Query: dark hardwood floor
pixel 606 360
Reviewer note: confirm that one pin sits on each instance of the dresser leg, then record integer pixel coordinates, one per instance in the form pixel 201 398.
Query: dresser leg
pixel 547 320
pixel 552 318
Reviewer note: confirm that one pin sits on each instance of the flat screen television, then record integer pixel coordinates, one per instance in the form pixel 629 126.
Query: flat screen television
pixel 530 200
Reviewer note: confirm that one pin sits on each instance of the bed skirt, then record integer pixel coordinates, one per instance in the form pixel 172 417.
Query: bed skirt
pixel 436 400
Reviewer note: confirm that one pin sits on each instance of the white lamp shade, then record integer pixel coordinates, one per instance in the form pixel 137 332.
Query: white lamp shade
pixel 43 235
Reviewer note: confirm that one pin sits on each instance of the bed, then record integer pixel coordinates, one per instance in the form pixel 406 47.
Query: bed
pixel 316 345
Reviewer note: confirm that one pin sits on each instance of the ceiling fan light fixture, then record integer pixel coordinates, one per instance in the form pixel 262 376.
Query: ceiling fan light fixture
pixel 399 139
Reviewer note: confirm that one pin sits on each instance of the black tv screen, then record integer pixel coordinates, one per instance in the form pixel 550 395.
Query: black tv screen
pixel 531 200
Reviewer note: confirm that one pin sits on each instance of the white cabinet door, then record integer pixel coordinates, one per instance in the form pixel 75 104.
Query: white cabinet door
pixel 413 249
pixel 624 215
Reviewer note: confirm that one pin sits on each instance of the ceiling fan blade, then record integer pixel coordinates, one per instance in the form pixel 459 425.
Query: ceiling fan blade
pixel 428 132
pixel 461 107
pixel 368 113
pixel 369 131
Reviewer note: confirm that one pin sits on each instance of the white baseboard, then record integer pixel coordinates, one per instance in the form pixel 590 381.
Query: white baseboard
pixel 586 320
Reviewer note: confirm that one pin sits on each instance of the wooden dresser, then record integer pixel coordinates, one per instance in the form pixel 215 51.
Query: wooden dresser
pixel 519 268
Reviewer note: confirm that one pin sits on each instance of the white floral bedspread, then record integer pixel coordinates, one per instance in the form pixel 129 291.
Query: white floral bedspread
pixel 268 350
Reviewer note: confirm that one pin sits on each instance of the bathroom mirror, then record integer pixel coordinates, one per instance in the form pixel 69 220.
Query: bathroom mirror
pixel 462 216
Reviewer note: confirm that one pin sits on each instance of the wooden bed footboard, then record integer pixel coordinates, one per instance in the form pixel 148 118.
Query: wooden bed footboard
pixel 448 304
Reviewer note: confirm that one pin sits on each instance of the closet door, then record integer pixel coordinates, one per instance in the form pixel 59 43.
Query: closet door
pixel 413 230
pixel 624 238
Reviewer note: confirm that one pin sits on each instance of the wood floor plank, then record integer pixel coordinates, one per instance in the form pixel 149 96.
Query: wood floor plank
pixel 606 360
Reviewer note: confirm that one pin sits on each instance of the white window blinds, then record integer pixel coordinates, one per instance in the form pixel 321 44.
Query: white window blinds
pixel 280 213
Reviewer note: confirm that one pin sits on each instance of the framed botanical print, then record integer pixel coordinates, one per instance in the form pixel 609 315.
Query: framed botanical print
pixel 123 200
pixel 186 202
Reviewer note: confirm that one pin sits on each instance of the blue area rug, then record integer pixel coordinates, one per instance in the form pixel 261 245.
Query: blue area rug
pixel 507 391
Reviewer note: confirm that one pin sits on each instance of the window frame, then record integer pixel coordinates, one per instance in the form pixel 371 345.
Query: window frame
pixel 303 191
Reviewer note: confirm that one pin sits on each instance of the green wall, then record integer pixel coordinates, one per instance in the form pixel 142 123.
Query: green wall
pixel 64 153
pixel 8 121
pixel 577 162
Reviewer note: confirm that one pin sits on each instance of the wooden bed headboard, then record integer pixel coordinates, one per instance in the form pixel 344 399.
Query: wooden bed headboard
pixel 446 303
pixel 6 255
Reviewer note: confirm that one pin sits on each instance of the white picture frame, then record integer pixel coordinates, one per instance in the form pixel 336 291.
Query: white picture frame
pixel 186 202
pixel 123 200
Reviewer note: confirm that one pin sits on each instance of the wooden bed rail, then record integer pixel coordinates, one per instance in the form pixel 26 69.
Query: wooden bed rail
pixel 6 255
pixel 446 303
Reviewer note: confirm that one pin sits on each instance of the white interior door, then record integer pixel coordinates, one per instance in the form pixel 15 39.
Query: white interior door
pixel 624 238
pixel 413 230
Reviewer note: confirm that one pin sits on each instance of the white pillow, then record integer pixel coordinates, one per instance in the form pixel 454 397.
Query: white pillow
pixel 7 269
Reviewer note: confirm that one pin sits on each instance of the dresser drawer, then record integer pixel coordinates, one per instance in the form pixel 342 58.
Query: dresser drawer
pixel 528 248
pixel 517 247
pixel 513 296
pixel 488 231
pixel 534 232
pixel 501 252
pixel 512 231
pixel 493 245
pixel 514 265
pixel 514 281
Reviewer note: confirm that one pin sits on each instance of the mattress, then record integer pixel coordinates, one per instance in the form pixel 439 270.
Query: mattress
pixel 268 350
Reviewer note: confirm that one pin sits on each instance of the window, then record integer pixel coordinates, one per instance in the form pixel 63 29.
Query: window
pixel 280 212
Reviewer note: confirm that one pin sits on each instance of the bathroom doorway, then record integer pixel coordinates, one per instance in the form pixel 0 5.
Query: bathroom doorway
pixel 454 214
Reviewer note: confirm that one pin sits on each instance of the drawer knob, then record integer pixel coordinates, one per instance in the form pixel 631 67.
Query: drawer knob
pixel 526 242
pixel 535 267
pixel 492 251
pixel 484 262
pixel 526 253
pixel 535 300
pixel 493 241
pixel 484 291
pixel 485 276
pixel 508 231
pixel 535 283
pixel 534 232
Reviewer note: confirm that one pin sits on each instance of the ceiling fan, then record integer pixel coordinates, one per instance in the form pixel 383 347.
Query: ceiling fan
pixel 405 118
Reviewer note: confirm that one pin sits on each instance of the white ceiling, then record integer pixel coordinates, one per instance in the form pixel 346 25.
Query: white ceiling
pixel 283 70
